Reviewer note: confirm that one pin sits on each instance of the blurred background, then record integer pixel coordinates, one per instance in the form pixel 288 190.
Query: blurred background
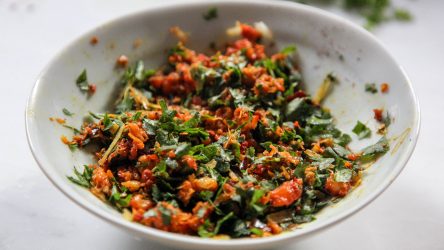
pixel 35 215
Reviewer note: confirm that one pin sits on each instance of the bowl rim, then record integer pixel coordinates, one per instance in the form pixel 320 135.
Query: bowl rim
pixel 158 235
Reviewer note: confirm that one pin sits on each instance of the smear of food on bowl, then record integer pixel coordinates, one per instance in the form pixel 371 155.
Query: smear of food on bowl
pixel 227 145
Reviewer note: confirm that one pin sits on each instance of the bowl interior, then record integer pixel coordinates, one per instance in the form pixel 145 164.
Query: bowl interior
pixel 325 44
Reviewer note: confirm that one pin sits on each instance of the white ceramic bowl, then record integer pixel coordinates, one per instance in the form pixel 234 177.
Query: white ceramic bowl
pixel 326 43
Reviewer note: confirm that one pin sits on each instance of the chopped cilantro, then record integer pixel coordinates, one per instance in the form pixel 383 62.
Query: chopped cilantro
pixel 361 130
pixel 210 14
pixel 67 112
pixel 136 116
pixel 371 88
pixel 119 197
pixel 82 81
pixel 165 214
pixel 343 175
pixel 403 15
pixel 288 50
pixel 257 231
pixel 374 151
pixel 83 179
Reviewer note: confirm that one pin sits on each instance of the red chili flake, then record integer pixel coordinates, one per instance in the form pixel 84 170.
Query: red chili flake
pixel 94 40
pixel 92 88
pixel 297 94
pixel 385 87
pixel 250 33
pixel 378 114
pixel 352 157
pixel 171 154
pixel 122 61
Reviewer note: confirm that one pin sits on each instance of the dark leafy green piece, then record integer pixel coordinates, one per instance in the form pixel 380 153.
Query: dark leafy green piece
pixel 204 230
pixel 314 120
pixel 165 214
pixel 403 15
pixel 82 179
pixel 119 196
pixel 288 50
pixel 125 105
pixel 361 130
pixel 210 14
pixel 343 175
pixel 374 151
pixel 257 231
pixel 67 112
pixel 371 88
pixel 82 81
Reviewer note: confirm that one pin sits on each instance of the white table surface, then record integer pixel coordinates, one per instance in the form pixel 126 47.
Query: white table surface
pixel 35 215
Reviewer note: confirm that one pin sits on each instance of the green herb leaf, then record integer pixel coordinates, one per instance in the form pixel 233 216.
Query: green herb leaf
pixel 222 221
pixel 182 149
pixel 67 112
pixel 374 151
pixel 204 154
pixel 156 193
pixel 136 116
pixel 371 88
pixel 361 130
pixel 82 77
pixel 386 119
pixel 211 14
pixel 314 120
pixel 119 196
pixel 204 230
pixel 107 123
pixel 239 228
pixel 294 107
pixel 288 50
pixel 206 195
pixel 343 175
pixel 73 146
pixel 150 126
pixel 258 207
pixel 257 231
pixel 238 96
pixel 289 135
pixel 341 151
pixel 403 15
pixel 323 163
pixel 75 130
pixel 165 214
pixel 290 90
pixel 82 179
pixel 165 138
pixel 125 105
pixel 299 219
pixel 82 81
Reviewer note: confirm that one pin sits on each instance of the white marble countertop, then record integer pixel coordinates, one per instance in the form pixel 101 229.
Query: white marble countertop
pixel 35 215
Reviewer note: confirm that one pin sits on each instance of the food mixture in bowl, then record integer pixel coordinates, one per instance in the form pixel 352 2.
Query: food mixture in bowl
pixel 222 145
